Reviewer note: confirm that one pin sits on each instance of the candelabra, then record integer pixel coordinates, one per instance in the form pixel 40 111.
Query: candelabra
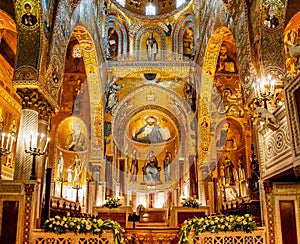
pixel 264 92
pixel 35 149
pixel 77 188
pixel 6 147
pixel 62 181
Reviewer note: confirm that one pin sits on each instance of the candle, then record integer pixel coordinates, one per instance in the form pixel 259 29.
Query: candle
pixel 41 137
pixel 11 142
pixel 35 140
pixel 48 139
pixel 2 140
pixel 30 141
pixel 7 141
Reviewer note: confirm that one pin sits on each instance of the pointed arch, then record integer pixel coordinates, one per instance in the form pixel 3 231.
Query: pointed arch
pixel 291 44
pixel 114 22
pixel 207 81
pixel 96 91
pixel 185 22
pixel 142 32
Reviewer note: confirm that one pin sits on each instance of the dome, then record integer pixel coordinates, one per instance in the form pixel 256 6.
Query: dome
pixel 151 9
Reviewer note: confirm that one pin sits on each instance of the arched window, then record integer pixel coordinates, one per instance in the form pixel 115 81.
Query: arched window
pixel 150 9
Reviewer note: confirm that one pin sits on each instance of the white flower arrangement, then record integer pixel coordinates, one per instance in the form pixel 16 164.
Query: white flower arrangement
pixel 112 203
pixel 140 209
pixel 190 203
pixel 211 224
pixel 94 226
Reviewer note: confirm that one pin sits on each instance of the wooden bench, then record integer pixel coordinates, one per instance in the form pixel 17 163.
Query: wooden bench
pixel 154 217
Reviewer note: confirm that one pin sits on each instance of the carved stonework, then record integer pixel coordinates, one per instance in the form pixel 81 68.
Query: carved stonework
pixel 27 212
pixel 45 110
pixel 270 217
pixel 25 76
pixel 29 188
pixel 273 146
pixel 268 186
pixel 297 171
pixel 33 99
pixel 292 104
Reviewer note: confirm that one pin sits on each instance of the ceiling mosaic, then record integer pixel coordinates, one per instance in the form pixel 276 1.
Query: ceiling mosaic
pixel 151 9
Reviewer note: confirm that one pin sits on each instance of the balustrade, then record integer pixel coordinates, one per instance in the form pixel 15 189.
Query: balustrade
pixel 256 237
pixel 41 237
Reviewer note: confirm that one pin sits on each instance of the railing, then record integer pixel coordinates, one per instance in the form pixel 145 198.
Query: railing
pixel 41 237
pixel 252 207
pixel 256 237
pixel 63 207
pixel 153 236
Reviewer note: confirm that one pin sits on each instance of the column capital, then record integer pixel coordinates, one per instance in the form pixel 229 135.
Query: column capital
pixel 29 188
pixel 268 186
pixel 33 99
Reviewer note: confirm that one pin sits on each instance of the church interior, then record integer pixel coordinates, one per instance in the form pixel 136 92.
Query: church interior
pixel 147 105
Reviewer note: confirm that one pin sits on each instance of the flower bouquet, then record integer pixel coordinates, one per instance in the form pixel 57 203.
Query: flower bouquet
pixel 140 209
pixel 112 203
pixel 94 226
pixel 211 224
pixel 190 203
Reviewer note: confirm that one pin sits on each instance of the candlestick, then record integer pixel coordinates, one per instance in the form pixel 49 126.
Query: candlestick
pixel 35 150
pixel 34 140
pixel 30 141
pixel 2 139
pixel 11 142
pixel 7 141
pixel 48 139
pixel 41 138
pixel 5 150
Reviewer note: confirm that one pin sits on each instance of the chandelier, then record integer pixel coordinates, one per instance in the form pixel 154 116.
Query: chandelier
pixel 266 97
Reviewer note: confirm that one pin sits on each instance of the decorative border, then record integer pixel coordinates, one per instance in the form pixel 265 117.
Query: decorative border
pixel 293 116
pixel 285 191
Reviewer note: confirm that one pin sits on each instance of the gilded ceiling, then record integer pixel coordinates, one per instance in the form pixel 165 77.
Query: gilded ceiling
pixel 151 8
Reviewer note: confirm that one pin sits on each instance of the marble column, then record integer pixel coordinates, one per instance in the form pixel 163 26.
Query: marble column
pixel 32 101
pixel 28 124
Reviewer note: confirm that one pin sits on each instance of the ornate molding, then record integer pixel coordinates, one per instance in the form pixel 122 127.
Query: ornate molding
pixel 45 110
pixel 25 75
pixel 33 99
pixel 122 69
pixel 29 188
pixel 293 114
pixel 7 97
pixel 268 186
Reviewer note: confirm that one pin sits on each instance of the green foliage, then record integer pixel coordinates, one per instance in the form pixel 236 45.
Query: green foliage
pixel 61 225
pixel 140 209
pixel 211 224
pixel 190 203
pixel 112 203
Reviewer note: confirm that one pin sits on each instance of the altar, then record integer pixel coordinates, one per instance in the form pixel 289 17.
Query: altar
pixel 154 217
pixel 179 214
